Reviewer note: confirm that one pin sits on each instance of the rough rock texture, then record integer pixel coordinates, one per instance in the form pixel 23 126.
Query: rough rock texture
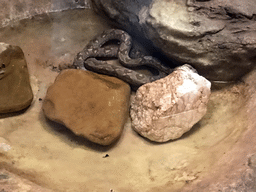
pixel 10 182
pixel 217 37
pixel 234 172
pixel 91 105
pixel 252 162
pixel 16 93
pixel 12 10
pixel 4 145
pixel 169 107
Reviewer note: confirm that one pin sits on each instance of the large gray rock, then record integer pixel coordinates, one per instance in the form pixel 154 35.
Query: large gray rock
pixel 167 108
pixel 216 37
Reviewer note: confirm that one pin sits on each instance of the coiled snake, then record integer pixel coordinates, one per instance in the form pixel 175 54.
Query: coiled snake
pixel 86 59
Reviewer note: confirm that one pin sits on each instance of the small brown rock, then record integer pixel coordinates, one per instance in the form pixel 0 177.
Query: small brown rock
pixel 91 105
pixel 16 93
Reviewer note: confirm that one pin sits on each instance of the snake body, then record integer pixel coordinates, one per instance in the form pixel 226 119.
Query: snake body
pixel 86 59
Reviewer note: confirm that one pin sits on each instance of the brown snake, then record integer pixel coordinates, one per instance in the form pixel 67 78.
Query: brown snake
pixel 86 59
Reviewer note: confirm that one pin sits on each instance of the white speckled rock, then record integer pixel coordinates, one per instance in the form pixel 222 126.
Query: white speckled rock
pixel 167 108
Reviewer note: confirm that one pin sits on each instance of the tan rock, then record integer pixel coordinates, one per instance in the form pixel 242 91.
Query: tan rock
pixel 91 105
pixel 167 108
pixel 16 93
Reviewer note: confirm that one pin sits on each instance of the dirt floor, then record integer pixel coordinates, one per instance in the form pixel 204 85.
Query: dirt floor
pixel 51 156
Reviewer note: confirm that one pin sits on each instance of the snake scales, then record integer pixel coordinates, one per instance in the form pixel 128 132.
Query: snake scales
pixel 96 48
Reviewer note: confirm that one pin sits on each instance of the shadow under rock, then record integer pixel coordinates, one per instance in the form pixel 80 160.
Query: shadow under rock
pixel 75 139
pixel 192 131
pixel 12 114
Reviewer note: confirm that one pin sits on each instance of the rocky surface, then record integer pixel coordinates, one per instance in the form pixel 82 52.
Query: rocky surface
pixel 10 182
pixel 16 93
pixel 252 162
pixel 215 37
pixel 16 10
pixel 90 105
pixel 167 108
pixel 4 145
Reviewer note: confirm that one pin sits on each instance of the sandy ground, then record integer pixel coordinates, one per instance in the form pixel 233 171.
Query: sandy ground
pixel 51 156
